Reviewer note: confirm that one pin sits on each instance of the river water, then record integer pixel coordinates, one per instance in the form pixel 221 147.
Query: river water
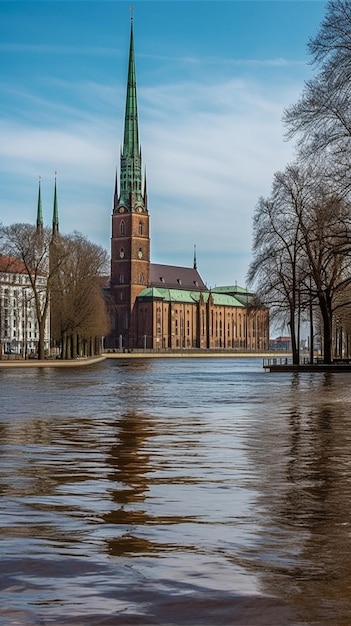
pixel 175 492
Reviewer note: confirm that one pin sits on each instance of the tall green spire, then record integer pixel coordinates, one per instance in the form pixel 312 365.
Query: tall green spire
pixel 131 134
pixel 131 196
pixel 40 223
pixel 55 220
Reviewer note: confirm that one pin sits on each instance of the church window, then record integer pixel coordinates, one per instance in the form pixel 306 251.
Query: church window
pixel 122 228
pixel 141 279
pixel 140 228
pixel 121 279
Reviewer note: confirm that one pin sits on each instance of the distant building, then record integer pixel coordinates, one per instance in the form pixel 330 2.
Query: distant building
pixel 162 307
pixel 19 332
pixel 280 343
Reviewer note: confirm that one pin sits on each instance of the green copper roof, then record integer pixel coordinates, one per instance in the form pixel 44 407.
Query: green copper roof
pixel 55 220
pixel 131 134
pixel 131 193
pixel 225 300
pixel 40 222
pixel 190 297
pixel 230 289
pixel 241 294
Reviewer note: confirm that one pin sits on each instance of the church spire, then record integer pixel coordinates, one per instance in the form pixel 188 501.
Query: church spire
pixel 40 223
pixel 131 170
pixel 55 220
pixel 131 134
pixel 195 261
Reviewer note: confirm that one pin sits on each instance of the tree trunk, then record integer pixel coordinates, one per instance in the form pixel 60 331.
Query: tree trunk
pixel 294 345
pixel 311 334
pixel 327 328
pixel 41 342
pixel 74 346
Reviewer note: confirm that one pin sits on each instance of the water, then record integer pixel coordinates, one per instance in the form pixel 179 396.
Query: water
pixel 185 491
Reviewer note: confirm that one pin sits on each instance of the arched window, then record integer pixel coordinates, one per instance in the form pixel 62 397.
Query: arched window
pixel 141 279
pixel 122 228
pixel 121 279
pixel 140 228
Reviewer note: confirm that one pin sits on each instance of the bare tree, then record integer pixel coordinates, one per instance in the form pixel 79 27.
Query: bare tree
pixel 321 119
pixel 304 255
pixel 79 313
pixel 25 243
pixel 277 267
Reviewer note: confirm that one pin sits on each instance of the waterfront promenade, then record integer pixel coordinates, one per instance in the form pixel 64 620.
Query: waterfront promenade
pixel 83 362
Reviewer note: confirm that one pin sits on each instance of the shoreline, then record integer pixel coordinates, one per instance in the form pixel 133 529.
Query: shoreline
pixel 11 363
pixel 84 362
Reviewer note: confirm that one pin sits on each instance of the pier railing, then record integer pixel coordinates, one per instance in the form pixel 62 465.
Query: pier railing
pixel 287 360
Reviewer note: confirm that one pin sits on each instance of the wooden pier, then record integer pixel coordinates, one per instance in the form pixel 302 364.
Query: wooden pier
pixel 285 364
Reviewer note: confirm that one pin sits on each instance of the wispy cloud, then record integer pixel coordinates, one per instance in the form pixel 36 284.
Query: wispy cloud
pixel 60 49
pixel 210 151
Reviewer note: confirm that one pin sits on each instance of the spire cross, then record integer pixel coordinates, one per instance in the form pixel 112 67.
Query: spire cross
pixel 131 12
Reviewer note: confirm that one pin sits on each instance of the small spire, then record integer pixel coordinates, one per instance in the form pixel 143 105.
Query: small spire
pixel 145 191
pixel 195 263
pixel 55 220
pixel 40 223
pixel 115 195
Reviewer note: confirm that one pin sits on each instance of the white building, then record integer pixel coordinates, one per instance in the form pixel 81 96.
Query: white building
pixel 19 332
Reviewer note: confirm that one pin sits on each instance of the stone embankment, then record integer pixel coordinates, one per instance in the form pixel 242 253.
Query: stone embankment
pixel 6 362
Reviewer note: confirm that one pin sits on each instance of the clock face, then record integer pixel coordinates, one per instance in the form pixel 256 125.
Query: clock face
pixel 121 209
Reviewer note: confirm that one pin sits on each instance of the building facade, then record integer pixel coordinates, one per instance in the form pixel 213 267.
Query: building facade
pixel 19 332
pixel 162 307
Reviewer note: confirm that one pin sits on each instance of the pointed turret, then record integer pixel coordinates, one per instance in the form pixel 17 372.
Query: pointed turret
pixel 55 219
pixel 131 171
pixel 115 194
pixel 131 134
pixel 145 191
pixel 40 223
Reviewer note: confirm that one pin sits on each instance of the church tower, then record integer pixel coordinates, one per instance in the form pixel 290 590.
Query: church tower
pixel 130 242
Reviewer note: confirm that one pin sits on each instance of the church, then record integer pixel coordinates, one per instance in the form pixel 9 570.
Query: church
pixel 164 307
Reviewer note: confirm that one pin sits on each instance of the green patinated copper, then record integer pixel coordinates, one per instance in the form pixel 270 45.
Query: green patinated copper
pixel 55 219
pixel 131 194
pixel 40 223
pixel 191 297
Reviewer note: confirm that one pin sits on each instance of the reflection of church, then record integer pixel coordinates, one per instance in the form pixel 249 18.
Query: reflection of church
pixel 161 306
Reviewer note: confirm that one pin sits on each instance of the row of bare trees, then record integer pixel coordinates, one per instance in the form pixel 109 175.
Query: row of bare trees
pixel 302 232
pixel 64 273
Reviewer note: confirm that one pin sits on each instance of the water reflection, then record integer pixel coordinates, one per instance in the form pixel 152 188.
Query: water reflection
pixel 131 476
pixel 224 499
pixel 304 485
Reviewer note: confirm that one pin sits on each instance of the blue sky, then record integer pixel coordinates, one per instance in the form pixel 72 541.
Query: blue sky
pixel 213 80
